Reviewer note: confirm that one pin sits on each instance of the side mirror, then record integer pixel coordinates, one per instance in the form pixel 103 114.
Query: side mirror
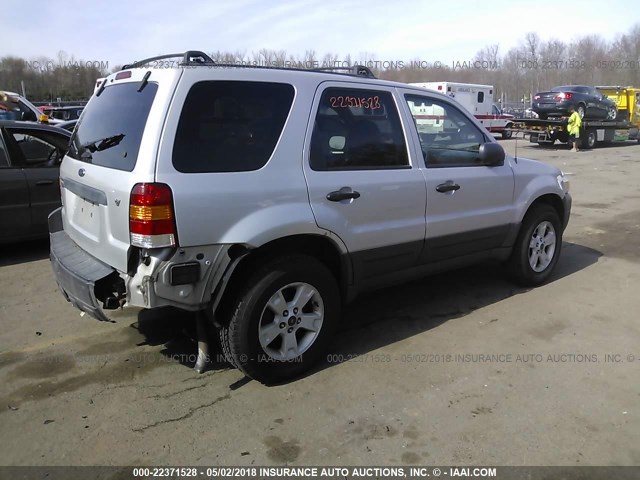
pixel 491 154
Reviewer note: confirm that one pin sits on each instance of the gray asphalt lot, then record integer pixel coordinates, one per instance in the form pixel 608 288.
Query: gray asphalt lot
pixel 458 368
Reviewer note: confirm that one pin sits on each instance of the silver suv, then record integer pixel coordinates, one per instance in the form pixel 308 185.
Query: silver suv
pixel 268 198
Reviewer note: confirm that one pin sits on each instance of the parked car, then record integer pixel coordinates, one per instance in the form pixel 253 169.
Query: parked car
pixel 589 102
pixel 13 106
pixel 65 113
pixel 266 198
pixel 30 156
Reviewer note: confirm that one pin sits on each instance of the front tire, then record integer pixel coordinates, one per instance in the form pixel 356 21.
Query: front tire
pixel 282 320
pixel 537 247
pixel 507 134
pixel 612 113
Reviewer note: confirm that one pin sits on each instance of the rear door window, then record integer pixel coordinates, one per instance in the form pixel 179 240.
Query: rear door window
pixel 357 129
pixel 230 126
pixel 35 148
pixel 111 128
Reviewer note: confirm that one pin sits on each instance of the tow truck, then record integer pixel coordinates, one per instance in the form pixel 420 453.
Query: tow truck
pixel 546 132
pixel 626 126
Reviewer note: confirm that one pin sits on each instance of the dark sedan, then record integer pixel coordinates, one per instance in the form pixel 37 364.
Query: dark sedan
pixel 30 156
pixel 589 102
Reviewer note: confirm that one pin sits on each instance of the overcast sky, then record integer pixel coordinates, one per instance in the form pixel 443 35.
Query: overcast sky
pixel 119 31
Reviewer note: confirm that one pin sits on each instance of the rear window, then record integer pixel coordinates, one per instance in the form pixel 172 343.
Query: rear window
pixel 230 126
pixel 357 129
pixel 67 114
pixel 110 130
pixel 571 88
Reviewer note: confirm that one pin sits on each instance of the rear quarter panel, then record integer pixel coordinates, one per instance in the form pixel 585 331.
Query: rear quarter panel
pixel 252 207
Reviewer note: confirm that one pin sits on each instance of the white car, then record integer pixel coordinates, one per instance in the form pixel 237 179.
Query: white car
pixel 14 106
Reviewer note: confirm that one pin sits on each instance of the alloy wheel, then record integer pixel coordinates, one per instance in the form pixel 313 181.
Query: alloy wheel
pixel 291 321
pixel 542 246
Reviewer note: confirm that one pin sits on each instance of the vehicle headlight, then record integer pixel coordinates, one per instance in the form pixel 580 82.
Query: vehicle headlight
pixel 563 182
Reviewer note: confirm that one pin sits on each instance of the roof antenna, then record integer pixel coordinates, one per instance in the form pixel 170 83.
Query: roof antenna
pixel 515 156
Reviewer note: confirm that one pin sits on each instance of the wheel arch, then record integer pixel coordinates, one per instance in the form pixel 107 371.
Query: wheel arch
pixel 323 248
pixel 550 199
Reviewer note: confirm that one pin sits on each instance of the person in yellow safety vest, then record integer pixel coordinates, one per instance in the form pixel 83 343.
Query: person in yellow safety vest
pixel 573 127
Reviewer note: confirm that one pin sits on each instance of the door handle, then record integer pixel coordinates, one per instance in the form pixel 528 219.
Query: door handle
pixel 448 186
pixel 40 183
pixel 345 193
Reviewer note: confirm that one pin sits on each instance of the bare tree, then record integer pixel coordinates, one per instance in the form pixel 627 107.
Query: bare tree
pixel 534 65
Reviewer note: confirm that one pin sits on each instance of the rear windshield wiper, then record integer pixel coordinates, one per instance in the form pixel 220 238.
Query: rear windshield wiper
pixel 144 82
pixel 103 143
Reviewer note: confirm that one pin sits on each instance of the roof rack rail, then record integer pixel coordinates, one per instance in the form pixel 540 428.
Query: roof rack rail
pixel 191 57
pixel 196 57
pixel 362 72
pixel 357 70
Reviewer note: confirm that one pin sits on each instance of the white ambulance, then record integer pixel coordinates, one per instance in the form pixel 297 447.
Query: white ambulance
pixel 477 99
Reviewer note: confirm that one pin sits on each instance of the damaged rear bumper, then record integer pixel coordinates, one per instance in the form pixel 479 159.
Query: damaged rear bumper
pixel 75 271
pixel 159 279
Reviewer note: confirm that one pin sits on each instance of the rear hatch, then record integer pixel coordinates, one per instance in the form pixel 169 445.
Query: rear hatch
pixel 113 147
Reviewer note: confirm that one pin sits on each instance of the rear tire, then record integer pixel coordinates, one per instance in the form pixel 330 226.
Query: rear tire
pixel 581 109
pixel 537 247
pixel 282 320
pixel 612 113
pixel 588 139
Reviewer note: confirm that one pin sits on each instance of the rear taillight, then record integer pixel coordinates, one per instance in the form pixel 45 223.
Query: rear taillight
pixel 564 96
pixel 151 219
pixel 537 97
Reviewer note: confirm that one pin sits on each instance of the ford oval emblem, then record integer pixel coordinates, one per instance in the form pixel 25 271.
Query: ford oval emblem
pixel 81 172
